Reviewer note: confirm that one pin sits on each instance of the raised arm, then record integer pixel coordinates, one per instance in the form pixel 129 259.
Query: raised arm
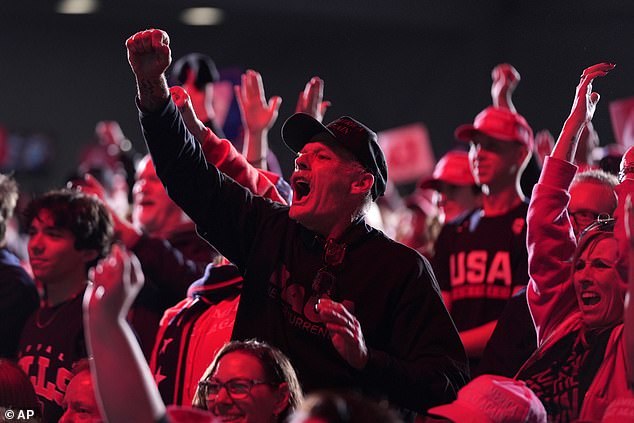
pixel 149 56
pixel 550 240
pixel 258 116
pixel 124 383
pixel 222 154
pixel 581 113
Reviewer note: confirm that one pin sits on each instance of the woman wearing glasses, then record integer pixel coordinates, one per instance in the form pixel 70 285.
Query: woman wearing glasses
pixel 249 381
pixel 577 288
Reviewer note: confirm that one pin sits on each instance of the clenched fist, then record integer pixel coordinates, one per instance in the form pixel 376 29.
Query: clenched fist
pixel 149 53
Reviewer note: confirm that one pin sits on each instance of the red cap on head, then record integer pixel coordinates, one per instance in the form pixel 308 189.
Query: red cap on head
pixel 501 124
pixel 453 168
pixel 494 399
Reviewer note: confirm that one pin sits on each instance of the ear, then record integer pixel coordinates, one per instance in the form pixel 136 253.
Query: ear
pixel 89 255
pixel 362 184
pixel 283 396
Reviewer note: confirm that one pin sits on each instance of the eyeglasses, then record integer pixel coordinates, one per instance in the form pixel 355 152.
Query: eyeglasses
pixel 236 388
pixel 601 224
pixel 584 218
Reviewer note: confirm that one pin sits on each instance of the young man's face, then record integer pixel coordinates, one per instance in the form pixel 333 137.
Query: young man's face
pixel 493 161
pixel 52 251
pixel 321 184
pixel 153 211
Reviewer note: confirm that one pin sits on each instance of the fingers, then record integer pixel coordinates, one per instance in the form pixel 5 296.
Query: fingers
pixel 274 104
pixel 505 71
pixel 323 107
pixel 254 88
pixel 604 68
pixel 314 93
pixel 592 72
pixel 332 312
pixel 338 320
pixel 310 100
pixel 179 96
pixel 159 39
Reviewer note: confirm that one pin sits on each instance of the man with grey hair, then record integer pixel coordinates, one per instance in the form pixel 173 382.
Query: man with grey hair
pixel 350 307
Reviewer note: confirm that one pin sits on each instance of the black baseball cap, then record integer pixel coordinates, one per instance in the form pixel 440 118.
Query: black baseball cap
pixel 361 141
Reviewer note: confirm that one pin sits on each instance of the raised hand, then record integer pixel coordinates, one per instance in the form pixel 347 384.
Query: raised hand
pixel 183 102
pixel 149 56
pixel 586 100
pixel 257 113
pixel 544 142
pixel 505 79
pixel 116 281
pixel 149 53
pixel 310 100
pixel 583 107
pixel 345 332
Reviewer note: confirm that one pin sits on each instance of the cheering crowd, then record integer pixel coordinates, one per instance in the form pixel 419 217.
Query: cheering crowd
pixel 496 292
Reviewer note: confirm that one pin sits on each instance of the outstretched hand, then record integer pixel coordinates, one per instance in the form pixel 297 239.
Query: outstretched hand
pixel 345 332
pixel 257 114
pixel 116 281
pixel 310 100
pixel 586 100
pixel 149 53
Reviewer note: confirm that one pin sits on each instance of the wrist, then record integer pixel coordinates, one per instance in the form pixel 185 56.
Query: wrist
pixel 152 91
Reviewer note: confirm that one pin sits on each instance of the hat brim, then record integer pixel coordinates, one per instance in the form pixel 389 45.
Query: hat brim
pixel 467 132
pixel 459 412
pixel 299 129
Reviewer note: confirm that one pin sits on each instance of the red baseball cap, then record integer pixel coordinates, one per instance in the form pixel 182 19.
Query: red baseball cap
pixel 501 124
pixel 453 168
pixel 494 399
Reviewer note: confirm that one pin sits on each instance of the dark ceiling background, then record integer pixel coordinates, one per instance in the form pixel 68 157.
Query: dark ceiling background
pixel 385 63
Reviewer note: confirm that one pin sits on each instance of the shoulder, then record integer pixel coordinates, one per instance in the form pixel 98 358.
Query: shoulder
pixel 396 256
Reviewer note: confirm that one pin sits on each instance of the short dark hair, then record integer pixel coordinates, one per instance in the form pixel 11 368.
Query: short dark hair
pixel 85 216
pixel 8 200
pixel 276 365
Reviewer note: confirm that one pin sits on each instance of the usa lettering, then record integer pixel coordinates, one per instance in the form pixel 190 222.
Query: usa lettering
pixel 477 267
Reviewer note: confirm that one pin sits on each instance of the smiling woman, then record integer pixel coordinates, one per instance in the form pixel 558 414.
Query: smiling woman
pixel 251 382
pixel 577 288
